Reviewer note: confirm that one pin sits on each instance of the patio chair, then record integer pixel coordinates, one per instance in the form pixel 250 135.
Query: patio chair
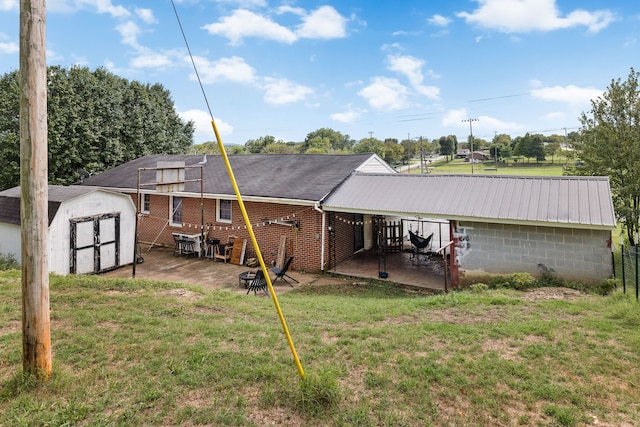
pixel 259 283
pixel 281 273
pixel 420 246
pixel 223 250
pixel 188 247
pixel 178 247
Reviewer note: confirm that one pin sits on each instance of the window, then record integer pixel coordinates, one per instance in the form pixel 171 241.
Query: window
pixel 146 203
pixel 223 211
pixel 176 210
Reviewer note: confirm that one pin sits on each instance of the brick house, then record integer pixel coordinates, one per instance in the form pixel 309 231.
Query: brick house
pixel 283 195
pixel 331 206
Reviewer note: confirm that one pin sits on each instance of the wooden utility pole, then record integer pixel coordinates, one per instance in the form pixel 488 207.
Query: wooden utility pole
pixel 36 335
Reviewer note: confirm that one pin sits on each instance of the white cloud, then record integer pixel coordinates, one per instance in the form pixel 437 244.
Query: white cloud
pixel 282 91
pixel 513 16
pixel 129 31
pixel 455 117
pixel 151 60
pixel 6 5
pixel 573 95
pixel 9 47
pixel 100 6
pixel 244 23
pixel 439 21
pixel 202 122
pixel 349 116
pixel 411 67
pixel 233 69
pixel 459 118
pixel 554 115
pixel 146 15
pixel 385 94
pixel 323 23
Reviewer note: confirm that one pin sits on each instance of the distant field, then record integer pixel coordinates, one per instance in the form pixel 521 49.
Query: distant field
pixel 458 166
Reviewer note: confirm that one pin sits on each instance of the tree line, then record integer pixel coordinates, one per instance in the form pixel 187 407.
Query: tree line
pixel 96 121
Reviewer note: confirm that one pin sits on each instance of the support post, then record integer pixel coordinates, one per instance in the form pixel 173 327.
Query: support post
pixel 36 335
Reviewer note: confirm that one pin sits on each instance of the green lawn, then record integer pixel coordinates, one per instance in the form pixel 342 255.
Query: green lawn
pixel 459 166
pixel 141 353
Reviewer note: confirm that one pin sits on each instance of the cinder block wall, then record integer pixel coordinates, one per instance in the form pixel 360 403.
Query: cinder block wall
pixel 303 243
pixel 574 254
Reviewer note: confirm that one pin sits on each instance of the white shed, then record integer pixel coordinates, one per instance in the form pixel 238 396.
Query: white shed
pixel 91 230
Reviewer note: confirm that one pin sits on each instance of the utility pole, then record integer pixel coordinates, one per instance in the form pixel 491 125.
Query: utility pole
pixel 34 196
pixel 471 139
pixel 370 135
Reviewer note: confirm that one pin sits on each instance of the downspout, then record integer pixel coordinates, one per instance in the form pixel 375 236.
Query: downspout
pixel 316 207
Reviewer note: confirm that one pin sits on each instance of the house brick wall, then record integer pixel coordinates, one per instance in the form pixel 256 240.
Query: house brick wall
pixel 344 237
pixel 574 254
pixel 302 243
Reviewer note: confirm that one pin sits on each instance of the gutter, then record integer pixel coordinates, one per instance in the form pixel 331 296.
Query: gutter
pixel 316 207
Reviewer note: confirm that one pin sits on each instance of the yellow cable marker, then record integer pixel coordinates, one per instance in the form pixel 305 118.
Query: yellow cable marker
pixel 257 248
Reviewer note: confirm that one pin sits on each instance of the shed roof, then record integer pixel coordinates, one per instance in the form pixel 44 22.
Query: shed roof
pixel 58 194
pixel 308 177
pixel 561 201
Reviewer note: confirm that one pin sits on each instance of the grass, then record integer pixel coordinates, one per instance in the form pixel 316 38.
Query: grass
pixel 153 353
pixel 459 166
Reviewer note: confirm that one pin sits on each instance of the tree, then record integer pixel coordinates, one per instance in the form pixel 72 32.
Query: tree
pixel 255 146
pixel 530 146
pixel 96 121
pixel 448 145
pixel 392 151
pixel 331 140
pixel 370 145
pixel 609 145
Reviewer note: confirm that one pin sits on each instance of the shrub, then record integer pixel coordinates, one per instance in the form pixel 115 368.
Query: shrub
pixel 8 262
pixel 607 286
pixel 478 288
pixel 518 281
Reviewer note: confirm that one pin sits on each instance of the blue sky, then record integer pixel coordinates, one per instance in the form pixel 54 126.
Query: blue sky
pixel 387 69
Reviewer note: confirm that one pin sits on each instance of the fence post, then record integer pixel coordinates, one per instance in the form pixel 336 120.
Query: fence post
pixel 624 283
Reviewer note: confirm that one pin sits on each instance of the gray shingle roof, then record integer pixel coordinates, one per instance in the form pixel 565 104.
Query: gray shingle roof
pixel 285 176
pixel 563 201
pixel 10 201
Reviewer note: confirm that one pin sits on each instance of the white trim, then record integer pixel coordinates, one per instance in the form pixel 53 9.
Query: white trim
pixel 224 220
pixel 172 210
pixel 142 203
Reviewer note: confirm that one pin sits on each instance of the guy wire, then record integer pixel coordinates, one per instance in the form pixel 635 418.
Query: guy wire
pixel 191 57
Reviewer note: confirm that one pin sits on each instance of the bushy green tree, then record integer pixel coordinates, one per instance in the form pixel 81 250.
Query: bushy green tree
pixel 328 140
pixel 96 121
pixel 609 145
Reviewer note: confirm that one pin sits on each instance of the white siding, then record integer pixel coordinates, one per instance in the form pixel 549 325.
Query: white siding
pixel 96 203
pixel 10 241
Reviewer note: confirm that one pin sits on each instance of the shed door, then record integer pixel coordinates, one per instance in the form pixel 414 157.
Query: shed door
pixel 95 243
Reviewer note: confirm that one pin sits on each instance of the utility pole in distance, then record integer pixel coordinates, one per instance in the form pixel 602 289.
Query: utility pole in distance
pixel 471 139
pixel 34 191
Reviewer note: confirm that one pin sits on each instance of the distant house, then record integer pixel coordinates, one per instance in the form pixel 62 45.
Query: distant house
pixel 329 207
pixel 90 229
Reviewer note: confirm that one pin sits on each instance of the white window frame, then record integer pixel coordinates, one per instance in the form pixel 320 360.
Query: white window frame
pixel 172 214
pixel 218 216
pixel 146 203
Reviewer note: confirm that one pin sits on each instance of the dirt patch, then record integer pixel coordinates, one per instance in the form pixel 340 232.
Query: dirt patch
pixel 537 294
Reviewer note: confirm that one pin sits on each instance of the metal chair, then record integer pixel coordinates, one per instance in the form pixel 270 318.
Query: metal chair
pixel 281 273
pixel 259 283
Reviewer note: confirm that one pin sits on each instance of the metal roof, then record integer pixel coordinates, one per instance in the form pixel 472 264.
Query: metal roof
pixel 560 201
pixel 307 177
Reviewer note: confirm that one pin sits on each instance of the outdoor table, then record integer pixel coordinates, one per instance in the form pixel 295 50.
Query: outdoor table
pixel 245 277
